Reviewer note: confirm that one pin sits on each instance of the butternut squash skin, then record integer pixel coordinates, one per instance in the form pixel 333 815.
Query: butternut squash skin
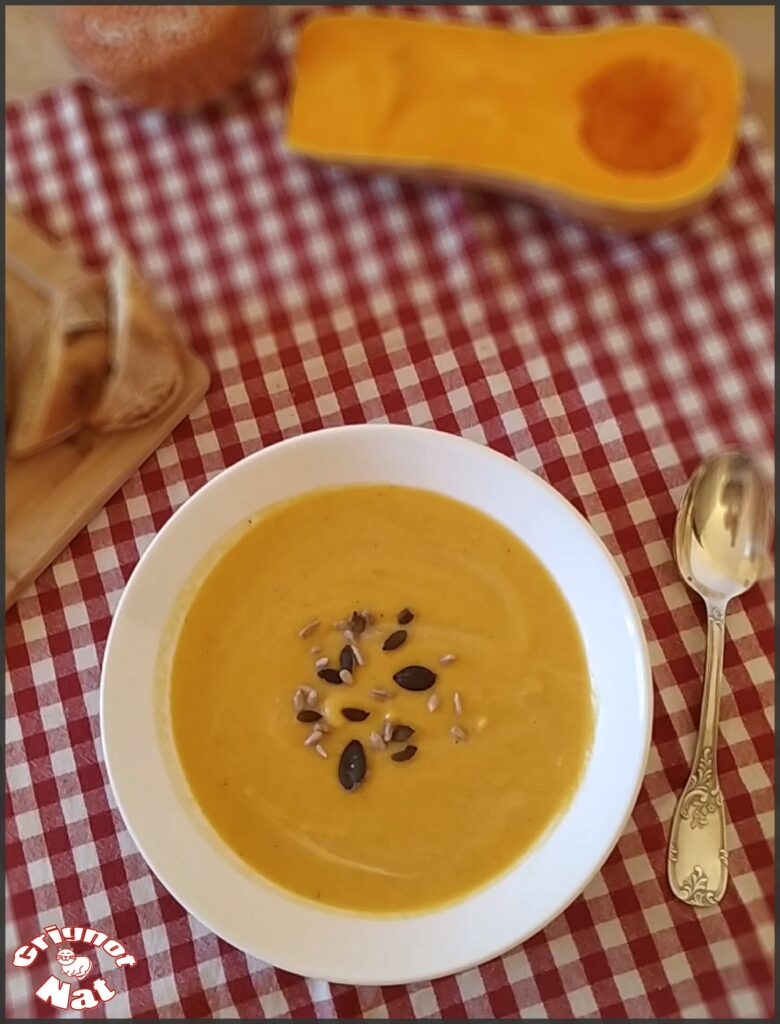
pixel 630 127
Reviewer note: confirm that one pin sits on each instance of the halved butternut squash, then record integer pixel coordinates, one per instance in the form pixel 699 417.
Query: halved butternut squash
pixel 631 127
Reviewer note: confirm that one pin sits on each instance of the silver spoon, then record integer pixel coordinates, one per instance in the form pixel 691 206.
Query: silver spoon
pixel 721 538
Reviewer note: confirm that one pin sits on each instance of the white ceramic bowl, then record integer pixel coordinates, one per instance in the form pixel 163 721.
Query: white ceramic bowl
pixel 254 915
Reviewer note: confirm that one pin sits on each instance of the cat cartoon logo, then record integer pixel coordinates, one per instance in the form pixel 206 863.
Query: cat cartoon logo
pixel 62 995
pixel 73 966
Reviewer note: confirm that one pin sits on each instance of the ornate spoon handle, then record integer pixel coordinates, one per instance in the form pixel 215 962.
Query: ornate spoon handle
pixel 698 862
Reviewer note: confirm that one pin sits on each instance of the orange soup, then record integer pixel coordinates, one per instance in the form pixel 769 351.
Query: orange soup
pixel 380 698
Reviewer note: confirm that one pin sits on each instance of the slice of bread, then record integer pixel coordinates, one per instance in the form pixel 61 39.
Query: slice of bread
pixel 47 266
pixel 64 372
pixel 146 366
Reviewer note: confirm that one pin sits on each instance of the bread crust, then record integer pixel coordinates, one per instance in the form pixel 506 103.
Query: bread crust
pixel 146 366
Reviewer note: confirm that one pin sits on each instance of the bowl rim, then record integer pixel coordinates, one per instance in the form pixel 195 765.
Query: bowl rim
pixel 643 681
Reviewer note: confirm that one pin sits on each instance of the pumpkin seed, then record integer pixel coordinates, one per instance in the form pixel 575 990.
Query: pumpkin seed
pixel 404 755
pixel 313 738
pixel 330 675
pixel 347 658
pixel 433 701
pixel 395 640
pixel 312 698
pixel 321 662
pixel 401 733
pixel 381 694
pixel 457 703
pixel 308 629
pixel 355 714
pixel 415 677
pixel 357 623
pixel 446 659
pixel 299 699
pixel 308 715
pixel 404 617
pixel 345 677
pixel 357 655
pixel 321 750
pixel 352 765
pixel 457 734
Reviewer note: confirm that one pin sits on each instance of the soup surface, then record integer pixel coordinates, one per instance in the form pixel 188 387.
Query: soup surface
pixel 487 777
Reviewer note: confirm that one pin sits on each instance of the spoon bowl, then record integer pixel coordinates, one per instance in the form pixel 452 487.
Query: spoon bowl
pixel 723 527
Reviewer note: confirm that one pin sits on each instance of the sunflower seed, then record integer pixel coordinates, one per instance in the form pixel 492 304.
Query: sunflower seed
pixel 312 698
pixel 457 733
pixel 395 640
pixel 308 630
pixel 321 750
pixel 352 765
pixel 330 675
pixel 313 738
pixel 415 677
pixel 376 741
pixel 433 701
pixel 381 694
pixel 387 730
pixel 401 733
pixel 446 659
pixel 355 714
pixel 299 699
pixel 404 617
pixel 357 655
pixel 457 703
pixel 321 662
pixel 346 658
pixel 345 677
pixel 308 715
pixel 404 755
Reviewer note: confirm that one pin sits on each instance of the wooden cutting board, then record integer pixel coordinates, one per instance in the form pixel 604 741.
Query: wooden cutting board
pixel 51 496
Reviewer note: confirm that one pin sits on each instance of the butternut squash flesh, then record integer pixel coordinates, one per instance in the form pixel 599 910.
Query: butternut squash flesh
pixel 631 127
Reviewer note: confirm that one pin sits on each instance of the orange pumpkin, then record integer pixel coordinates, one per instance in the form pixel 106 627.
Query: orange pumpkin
pixel 631 127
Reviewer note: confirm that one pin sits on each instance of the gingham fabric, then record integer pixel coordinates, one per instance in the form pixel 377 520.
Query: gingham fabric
pixel 608 365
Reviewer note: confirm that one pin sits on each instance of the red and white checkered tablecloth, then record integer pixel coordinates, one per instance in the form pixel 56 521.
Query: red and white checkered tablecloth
pixel 608 365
